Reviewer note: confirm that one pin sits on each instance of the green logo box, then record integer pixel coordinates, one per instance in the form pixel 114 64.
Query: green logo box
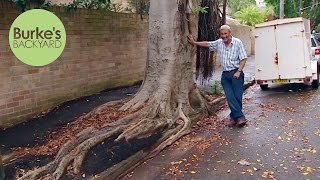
pixel 37 37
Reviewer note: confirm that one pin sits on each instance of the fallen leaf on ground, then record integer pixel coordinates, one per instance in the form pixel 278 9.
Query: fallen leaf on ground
pixel 244 162
pixel 307 170
pixel 268 174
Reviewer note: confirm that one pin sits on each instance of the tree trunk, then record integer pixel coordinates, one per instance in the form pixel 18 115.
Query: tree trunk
pixel 167 103
pixel 224 12
pixel 281 9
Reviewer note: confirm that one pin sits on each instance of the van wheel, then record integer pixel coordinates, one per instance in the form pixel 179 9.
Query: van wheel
pixel 264 87
pixel 315 83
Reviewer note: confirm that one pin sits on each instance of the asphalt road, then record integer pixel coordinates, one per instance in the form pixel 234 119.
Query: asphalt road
pixel 281 141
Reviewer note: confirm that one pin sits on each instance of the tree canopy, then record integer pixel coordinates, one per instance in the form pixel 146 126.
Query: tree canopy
pixel 310 9
pixel 236 5
pixel 252 15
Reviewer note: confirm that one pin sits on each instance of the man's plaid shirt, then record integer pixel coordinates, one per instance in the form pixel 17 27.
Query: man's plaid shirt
pixel 231 56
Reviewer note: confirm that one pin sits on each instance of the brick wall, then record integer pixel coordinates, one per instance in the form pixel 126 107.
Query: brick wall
pixel 103 50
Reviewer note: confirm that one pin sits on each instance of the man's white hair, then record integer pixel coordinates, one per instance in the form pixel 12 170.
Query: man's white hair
pixel 225 27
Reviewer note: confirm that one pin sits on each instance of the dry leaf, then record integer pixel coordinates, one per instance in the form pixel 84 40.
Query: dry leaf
pixel 244 162
pixel 267 174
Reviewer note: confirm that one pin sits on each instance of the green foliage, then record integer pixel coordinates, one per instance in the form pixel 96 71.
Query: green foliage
pixel 45 6
pixel 291 7
pixel 237 5
pixel 252 15
pixel 88 4
pixel 310 9
pixel 139 6
pixel 216 88
pixel 200 9
pixel 317 28
pixel 23 5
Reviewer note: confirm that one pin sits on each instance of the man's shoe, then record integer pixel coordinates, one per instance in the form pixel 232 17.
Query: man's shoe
pixel 242 122
pixel 231 122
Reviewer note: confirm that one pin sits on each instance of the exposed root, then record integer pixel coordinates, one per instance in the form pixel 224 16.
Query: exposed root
pixel 169 136
pixel 65 161
pixel 203 101
pixel 82 150
pixel 216 104
pixel 34 174
pixel 64 157
pixel 137 102
pixel 131 118
pixel 65 149
pixel 204 94
pixel 183 131
pixel 71 144
pixel 157 118
pixel 144 128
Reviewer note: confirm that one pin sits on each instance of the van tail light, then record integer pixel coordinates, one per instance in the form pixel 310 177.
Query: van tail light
pixel 317 52
pixel 259 81
pixel 306 79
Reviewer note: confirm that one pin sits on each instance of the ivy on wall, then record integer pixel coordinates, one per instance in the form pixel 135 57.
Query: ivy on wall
pixel 23 5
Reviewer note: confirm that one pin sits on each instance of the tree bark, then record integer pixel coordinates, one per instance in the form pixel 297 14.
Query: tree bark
pixel 224 12
pixel 281 9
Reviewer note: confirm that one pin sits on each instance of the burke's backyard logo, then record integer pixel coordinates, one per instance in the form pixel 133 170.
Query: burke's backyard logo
pixel 29 38
pixel 37 37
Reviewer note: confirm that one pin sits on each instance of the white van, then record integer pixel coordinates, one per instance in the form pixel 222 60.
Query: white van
pixel 283 53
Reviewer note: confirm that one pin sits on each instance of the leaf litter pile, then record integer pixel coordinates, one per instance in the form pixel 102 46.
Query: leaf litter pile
pixel 58 138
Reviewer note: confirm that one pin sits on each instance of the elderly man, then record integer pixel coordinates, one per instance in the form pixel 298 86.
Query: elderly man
pixel 233 59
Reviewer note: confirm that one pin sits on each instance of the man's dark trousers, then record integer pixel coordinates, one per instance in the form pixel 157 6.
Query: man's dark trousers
pixel 233 89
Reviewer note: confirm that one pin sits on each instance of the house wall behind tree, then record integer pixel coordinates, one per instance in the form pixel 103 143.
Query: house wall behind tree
pixel 103 50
